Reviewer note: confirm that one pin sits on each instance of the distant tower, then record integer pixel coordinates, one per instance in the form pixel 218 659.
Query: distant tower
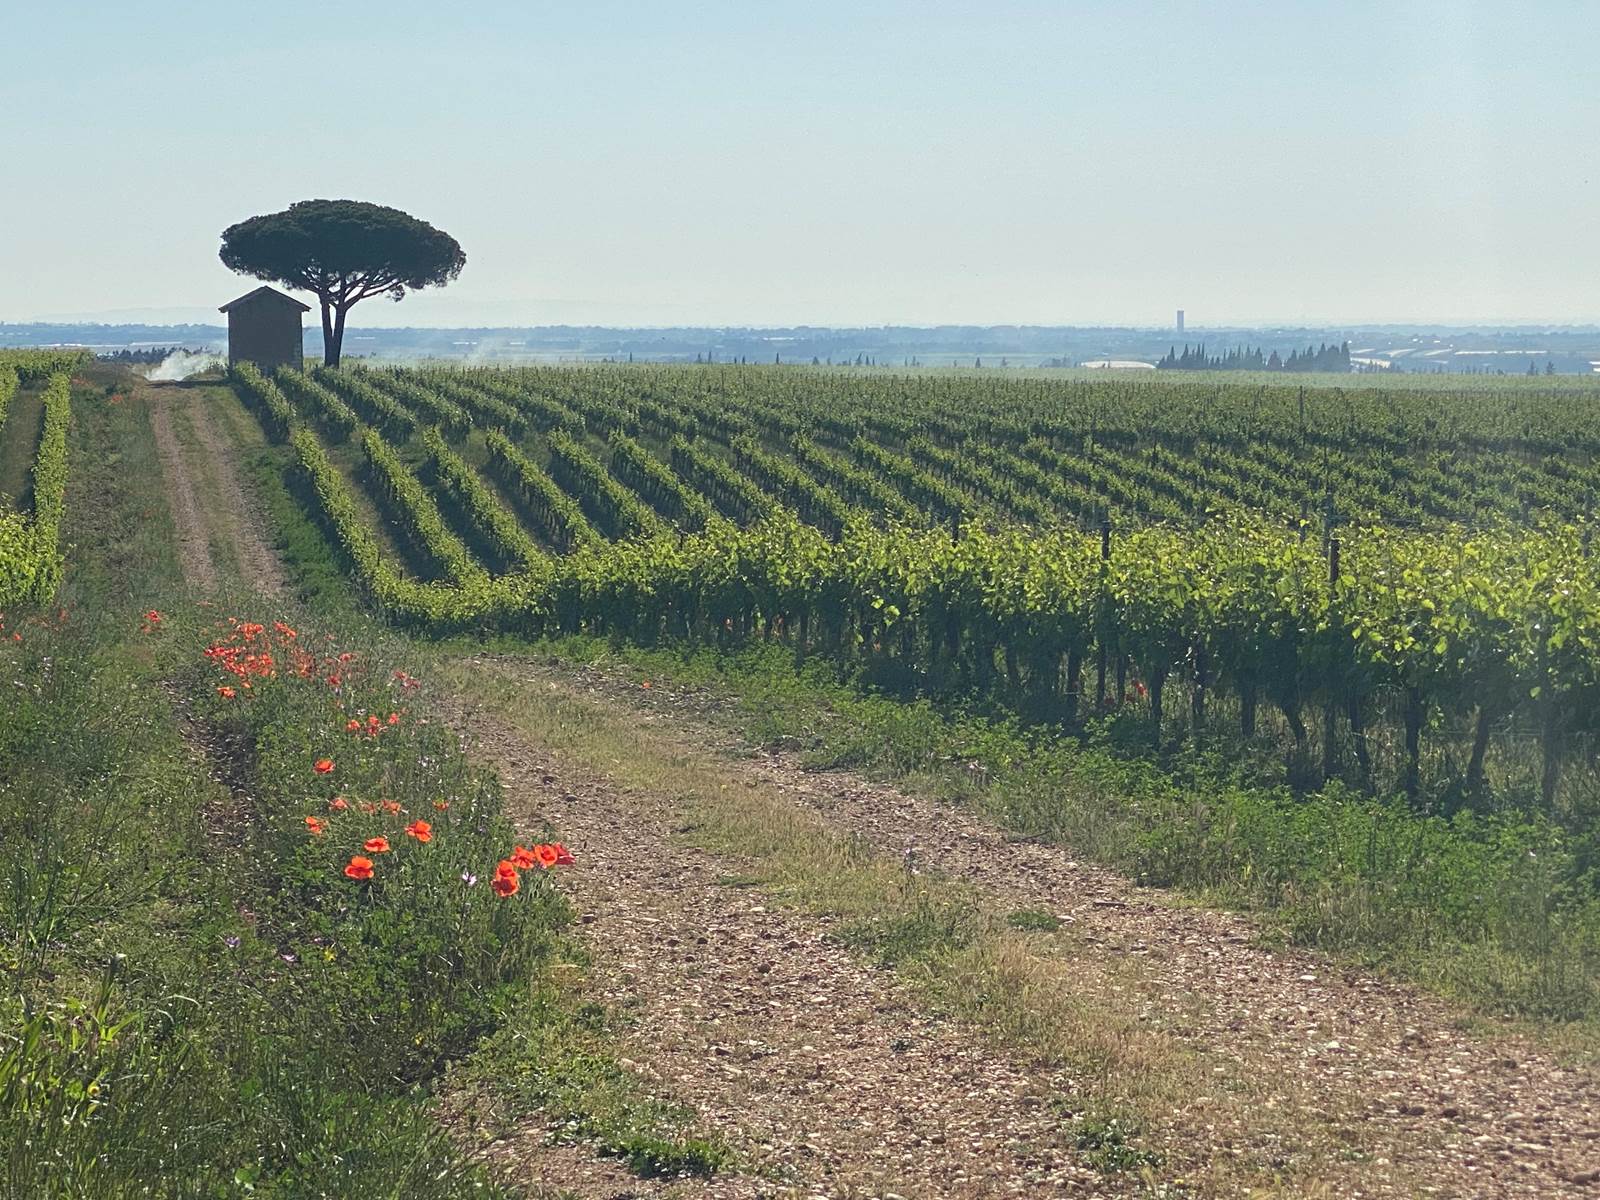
pixel 1180 320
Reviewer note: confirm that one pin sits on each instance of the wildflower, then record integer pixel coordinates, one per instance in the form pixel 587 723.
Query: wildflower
pixel 323 766
pixel 420 830
pixel 231 941
pixel 468 878
pixel 358 867
pixel 505 882
pixel 153 617
pixel 227 693
pixel 287 957
pixel 338 804
pixel 377 845
pixel 352 726
pixel 563 855
pixel 522 858
pixel 394 718
pixel 441 805
pixel 316 825
pixel 391 806
pixel 645 685
pixel 546 855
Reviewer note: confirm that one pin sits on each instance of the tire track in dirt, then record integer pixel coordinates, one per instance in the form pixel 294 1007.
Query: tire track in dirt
pixel 1488 1115
pixel 238 514
pixel 819 1070
pixel 228 511
pixel 194 544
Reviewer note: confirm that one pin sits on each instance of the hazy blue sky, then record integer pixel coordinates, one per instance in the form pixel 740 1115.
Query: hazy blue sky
pixel 824 162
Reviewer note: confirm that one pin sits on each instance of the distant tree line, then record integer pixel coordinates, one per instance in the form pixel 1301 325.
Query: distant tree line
pixel 154 354
pixel 1247 358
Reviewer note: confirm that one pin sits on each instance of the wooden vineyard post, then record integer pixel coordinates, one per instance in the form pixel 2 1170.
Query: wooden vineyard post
pixel 1330 746
pixel 1100 634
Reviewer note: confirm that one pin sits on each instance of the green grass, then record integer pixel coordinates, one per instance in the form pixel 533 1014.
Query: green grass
pixel 198 1001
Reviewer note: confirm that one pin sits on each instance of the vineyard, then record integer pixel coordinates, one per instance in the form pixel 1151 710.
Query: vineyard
pixel 30 556
pixel 1394 588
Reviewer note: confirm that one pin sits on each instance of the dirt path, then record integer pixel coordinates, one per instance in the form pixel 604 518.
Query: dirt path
pixel 194 543
pixel 818 1069
pixel 209 499
pixel 808 1034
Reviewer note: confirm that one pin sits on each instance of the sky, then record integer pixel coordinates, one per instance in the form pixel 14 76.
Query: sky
pixel 828 163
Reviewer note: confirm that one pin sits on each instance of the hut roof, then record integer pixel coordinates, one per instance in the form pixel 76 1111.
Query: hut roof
pixel 263 293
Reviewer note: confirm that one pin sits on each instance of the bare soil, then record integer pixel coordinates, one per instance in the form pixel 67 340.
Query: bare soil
pixel 821 1071
pixel 194 542
pixel 209 497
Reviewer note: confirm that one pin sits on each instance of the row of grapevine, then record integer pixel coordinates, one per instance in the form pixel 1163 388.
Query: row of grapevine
pixel 497 528
pixel 30 554
pixel 1500 627
pixel 39 366
pixel 557 516
pixel 607 503
pixel 732 493
pixel 261 395
pixel 416 513
pixel 371 404
pixel 635 466
pixel 317 403
pixel 9 382
pixel 434 408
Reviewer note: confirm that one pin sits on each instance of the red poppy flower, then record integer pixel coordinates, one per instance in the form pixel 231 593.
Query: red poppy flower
pixel 546 855
pixel 394 718
pixel 441 805
pixel 358 867
pixel 323 766
pixel 563 855
pixel 352 726
pixel 522 858
pixel 420 830
pixel 227 693
pixel 338 804
pixel 505 882
pixel 153 617
pixel 377 845
pixel 367 806
pixel 391 806
pixel 316 825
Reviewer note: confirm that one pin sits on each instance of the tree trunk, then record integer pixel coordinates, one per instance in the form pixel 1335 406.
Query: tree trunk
pixel 1074 681
pixel 1158 684
pixel 330 348
pixel 1480 746
pixel 1358 735
pixel 1247 705
pixel 1413 718
pixel 1550 737
pixel 1330 740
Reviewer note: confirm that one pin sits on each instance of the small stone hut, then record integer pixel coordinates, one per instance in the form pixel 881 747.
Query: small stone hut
pixel 264 328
